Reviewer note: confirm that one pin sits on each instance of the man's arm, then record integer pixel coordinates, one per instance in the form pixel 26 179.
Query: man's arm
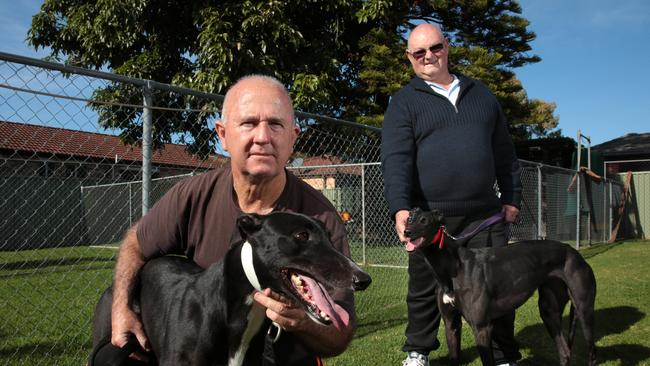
pixel 325 341
pixel 507 168
pixel 397 156
pixel 123 320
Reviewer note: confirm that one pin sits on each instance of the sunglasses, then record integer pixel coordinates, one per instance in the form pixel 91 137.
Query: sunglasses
pixel 420 53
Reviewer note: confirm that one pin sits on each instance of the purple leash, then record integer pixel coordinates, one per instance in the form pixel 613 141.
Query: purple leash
pixel 485 224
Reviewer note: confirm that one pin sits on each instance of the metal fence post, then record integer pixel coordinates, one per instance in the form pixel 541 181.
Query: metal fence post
pixel 609 209
pixel 130 205
pixel 578 209
pixel 363 213
pixel 578 156
pixel 539 201
pixel 147 138
pixel 604 207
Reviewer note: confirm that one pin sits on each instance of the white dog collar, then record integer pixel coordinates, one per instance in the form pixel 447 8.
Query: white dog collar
pixel 247 264
pixel 249 270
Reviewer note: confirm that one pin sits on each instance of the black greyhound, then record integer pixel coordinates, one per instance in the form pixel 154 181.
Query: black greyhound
pixel 485 284
pixel 207 317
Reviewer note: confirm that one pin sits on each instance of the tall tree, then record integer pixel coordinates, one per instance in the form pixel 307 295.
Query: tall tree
pixel 342 58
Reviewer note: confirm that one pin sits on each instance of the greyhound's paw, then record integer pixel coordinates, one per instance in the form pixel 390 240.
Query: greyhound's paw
pixel 449 300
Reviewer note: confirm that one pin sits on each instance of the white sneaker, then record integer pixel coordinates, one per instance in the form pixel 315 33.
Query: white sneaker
pixel 416 359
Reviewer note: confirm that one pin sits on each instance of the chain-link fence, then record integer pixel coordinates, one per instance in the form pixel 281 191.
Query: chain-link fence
pixel 110 209
pixel 551 209
pixel 69 189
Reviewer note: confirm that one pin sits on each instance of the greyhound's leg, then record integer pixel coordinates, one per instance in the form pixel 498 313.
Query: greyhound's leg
pixel 591 345
pixel 582 287
pixel 483 338
pixel 587 321
pixel 584 311
pixel 453 327
pixel 553 297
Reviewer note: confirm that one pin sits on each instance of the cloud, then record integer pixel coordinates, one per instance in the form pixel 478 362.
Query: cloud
pixel 623 13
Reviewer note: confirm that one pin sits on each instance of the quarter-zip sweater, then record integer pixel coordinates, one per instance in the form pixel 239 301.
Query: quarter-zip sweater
pixel 438 155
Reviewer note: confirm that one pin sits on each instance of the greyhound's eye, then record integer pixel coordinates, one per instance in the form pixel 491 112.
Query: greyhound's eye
pixel 423 220
pixel 301 236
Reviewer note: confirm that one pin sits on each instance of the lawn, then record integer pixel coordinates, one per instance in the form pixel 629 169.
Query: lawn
pixel 622 327
pixel 47 299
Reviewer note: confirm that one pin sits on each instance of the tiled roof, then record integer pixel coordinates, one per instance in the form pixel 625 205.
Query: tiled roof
pixel 42 139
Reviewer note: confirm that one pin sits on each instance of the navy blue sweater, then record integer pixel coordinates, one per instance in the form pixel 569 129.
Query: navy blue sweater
pixel 437 155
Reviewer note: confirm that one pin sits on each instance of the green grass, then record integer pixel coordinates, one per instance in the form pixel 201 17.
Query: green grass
pixel 46 302
pixel 622 327
pixel 47 298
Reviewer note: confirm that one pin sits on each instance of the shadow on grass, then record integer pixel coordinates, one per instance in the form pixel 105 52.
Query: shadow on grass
pixel 367 328
pixel 542 350
pixel 43 263
pixel 598 249
pixel 44 350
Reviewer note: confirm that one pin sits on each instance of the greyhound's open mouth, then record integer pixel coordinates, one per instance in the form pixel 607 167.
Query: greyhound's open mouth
pixel 318 302
pixel 413 244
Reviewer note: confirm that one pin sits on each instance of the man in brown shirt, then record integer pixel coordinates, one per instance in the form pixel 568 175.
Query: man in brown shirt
pixel 197 216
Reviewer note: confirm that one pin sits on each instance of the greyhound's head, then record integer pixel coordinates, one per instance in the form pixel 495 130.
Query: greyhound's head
pixel 423 228
pixel 293 255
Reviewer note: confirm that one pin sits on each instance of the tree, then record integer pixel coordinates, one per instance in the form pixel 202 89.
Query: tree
pixel 207 46
pixel 342 58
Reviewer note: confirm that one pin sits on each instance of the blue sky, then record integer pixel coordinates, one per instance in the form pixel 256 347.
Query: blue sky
pixel 595 64
pixel 595 60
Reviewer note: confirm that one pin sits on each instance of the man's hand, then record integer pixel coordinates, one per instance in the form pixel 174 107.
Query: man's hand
pixel 325 341
pixel 282 311
pixel 400 224
pixel 125 323
pixel 510 212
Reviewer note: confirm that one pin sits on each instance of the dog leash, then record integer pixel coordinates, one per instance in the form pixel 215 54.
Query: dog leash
pixel 249 270
pixel 499 216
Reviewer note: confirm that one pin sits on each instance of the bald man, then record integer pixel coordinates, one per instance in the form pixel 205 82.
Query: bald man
pixel 445 142
pixel 197 218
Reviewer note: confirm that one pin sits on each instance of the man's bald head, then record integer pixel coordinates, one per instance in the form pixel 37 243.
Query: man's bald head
pixel 254 82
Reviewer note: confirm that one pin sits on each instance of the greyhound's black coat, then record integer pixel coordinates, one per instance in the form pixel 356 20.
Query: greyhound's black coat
pixel 487 283
pixel 203 317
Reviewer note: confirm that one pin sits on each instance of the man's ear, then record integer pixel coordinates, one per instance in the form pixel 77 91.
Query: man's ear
pixel 221 132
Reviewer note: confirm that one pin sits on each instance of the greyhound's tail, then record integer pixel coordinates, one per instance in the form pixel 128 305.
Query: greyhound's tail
pixel 572 325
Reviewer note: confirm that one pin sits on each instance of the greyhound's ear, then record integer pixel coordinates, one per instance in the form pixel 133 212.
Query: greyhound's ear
pixel 248 224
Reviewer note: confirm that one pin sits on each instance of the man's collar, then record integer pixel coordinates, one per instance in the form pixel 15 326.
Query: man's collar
pixel 420 85
pixel 454 81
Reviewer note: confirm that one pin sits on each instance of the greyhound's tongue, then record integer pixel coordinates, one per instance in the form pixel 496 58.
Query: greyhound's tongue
pixel 323 300
pixel 412 245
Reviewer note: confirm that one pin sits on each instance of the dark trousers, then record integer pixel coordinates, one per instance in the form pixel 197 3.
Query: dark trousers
pixel 423 315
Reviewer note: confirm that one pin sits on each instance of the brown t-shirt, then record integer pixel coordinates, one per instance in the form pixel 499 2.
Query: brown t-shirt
pixel 197 217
